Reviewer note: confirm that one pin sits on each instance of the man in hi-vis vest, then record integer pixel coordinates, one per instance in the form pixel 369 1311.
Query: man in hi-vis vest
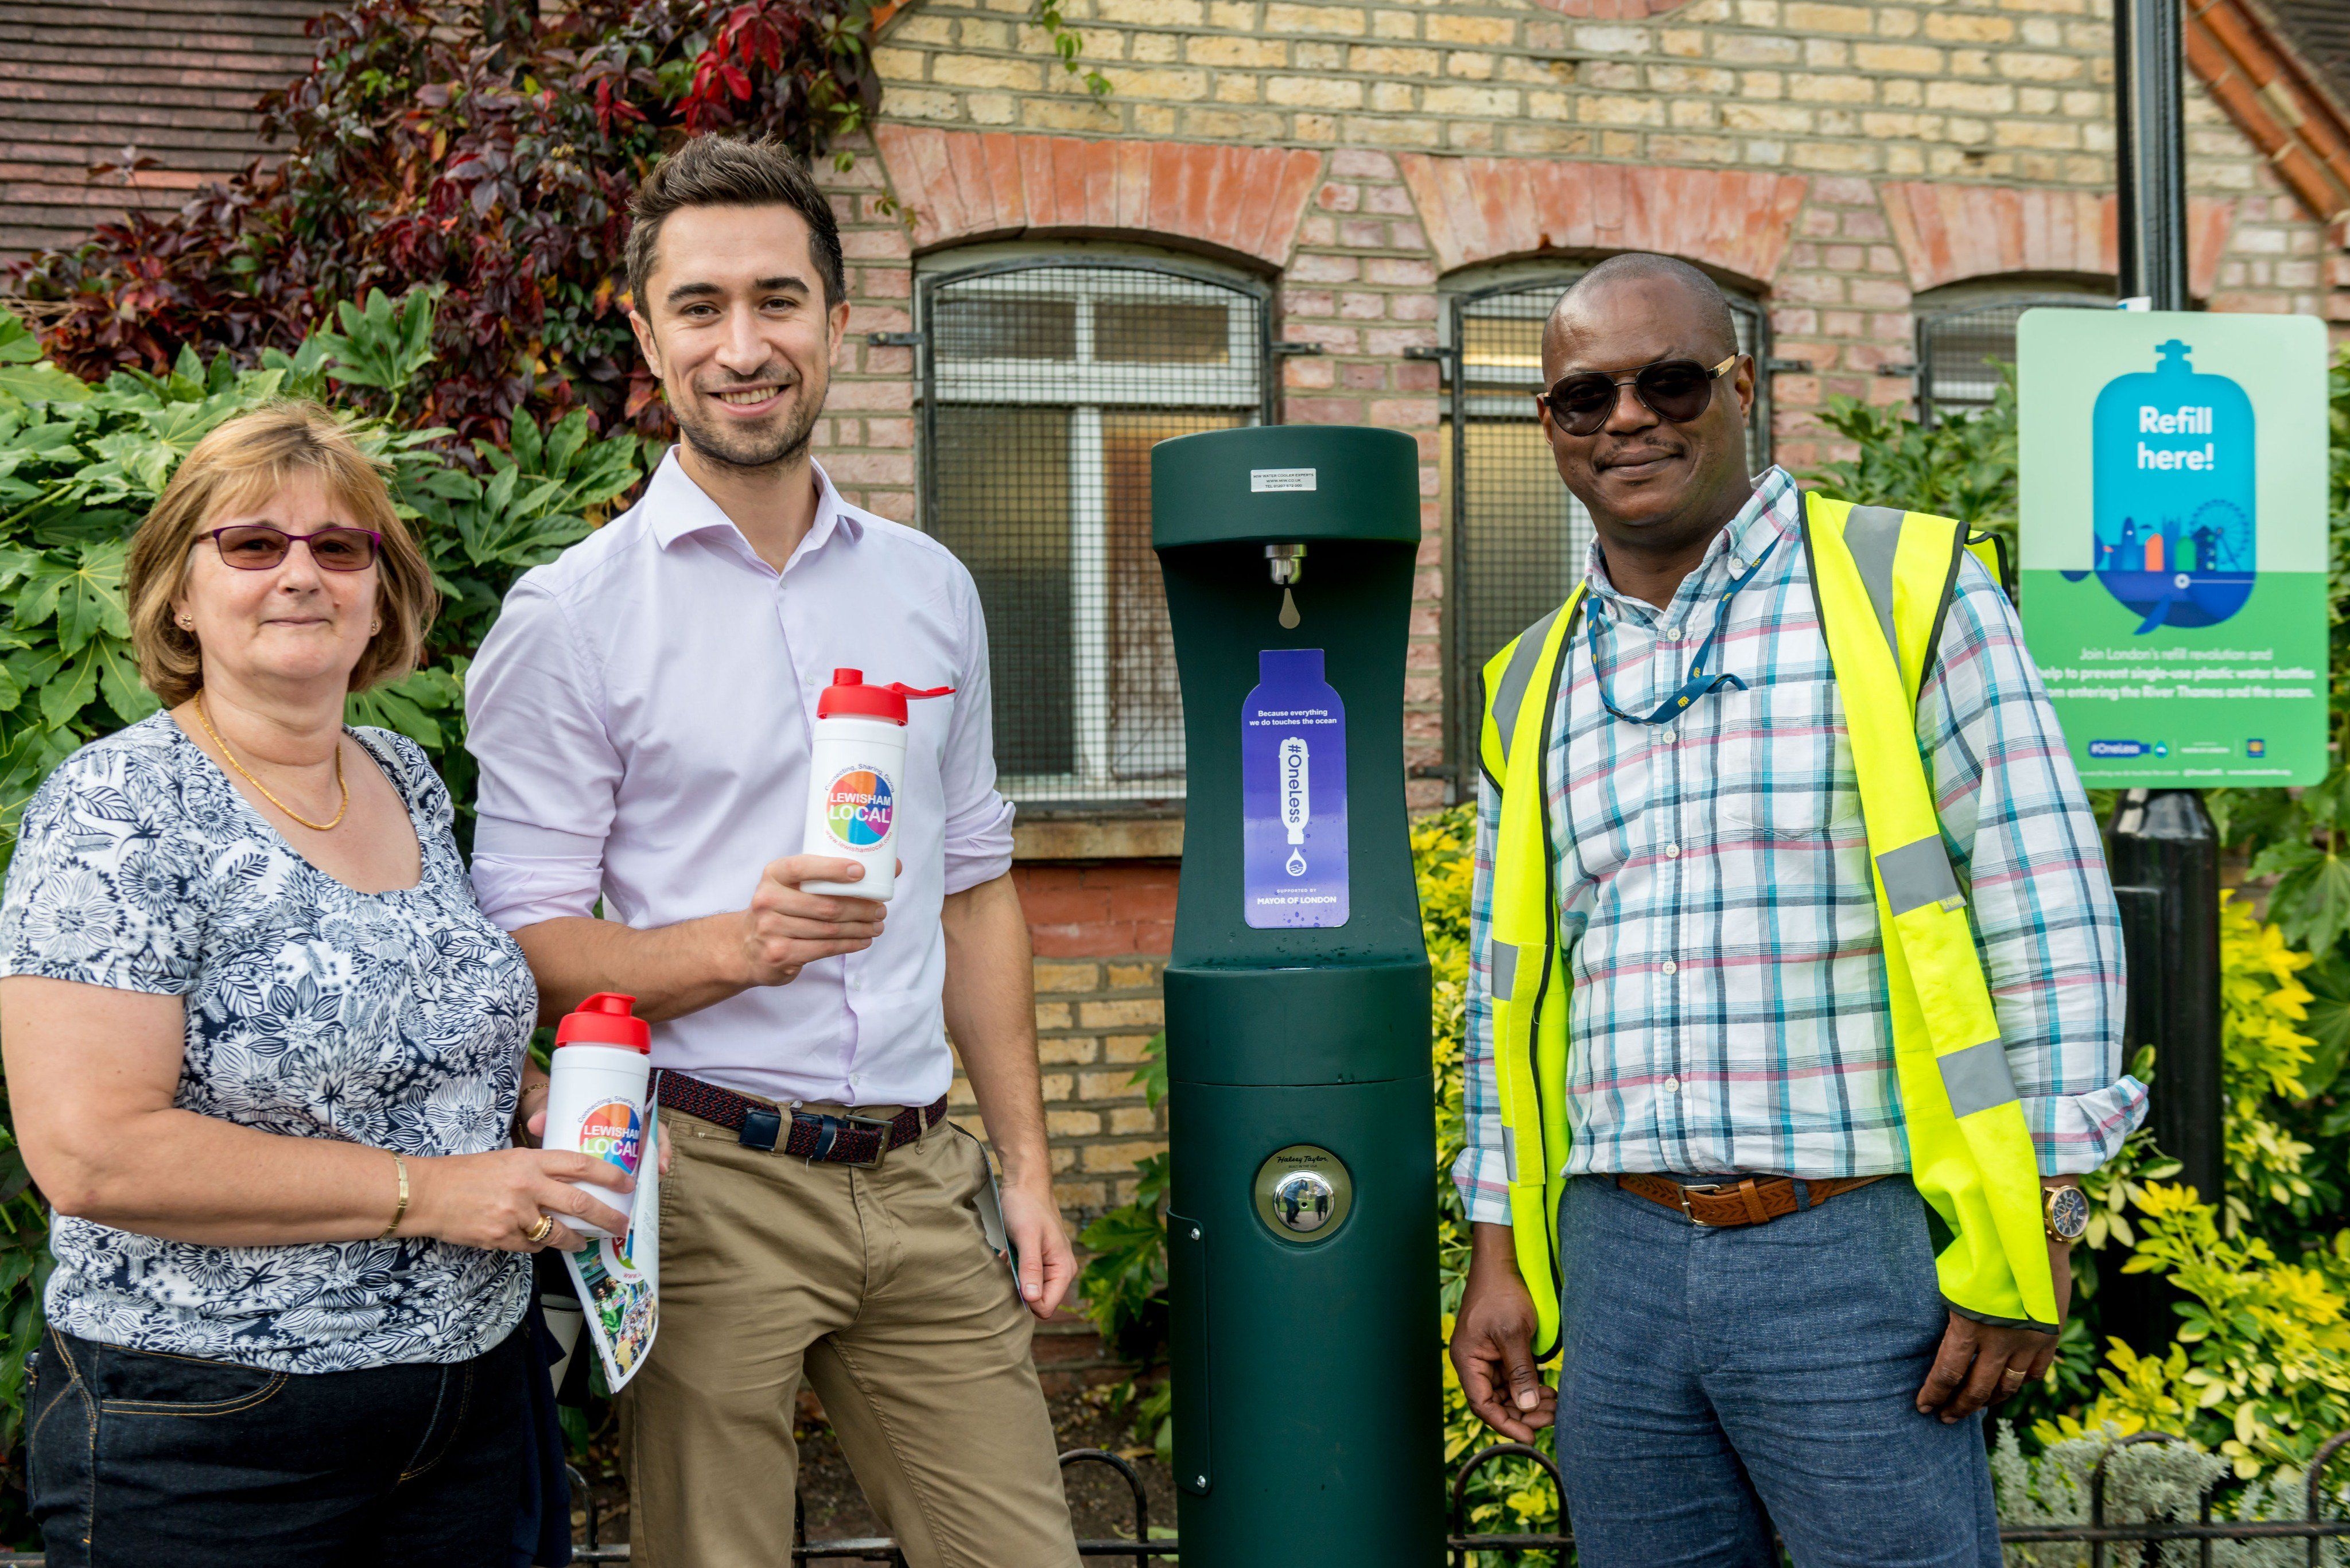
pixel 1794 1009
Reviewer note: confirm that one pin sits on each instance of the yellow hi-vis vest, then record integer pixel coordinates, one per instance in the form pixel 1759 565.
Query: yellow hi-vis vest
pixel 1883 580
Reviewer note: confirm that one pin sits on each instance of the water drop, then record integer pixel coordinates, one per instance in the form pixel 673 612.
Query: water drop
pixel 1289 615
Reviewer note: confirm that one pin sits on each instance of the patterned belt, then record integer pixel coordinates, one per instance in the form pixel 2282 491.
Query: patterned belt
pixel 814 1134
pixel 1756 1201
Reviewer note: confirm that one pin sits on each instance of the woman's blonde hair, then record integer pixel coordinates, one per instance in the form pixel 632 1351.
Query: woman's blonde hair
pixel 251 456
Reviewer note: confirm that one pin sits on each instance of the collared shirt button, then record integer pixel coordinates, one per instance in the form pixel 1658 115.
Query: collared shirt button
pixel 1670 967
pixel 1672 1085
pixel 1666 737
pixel 1672 851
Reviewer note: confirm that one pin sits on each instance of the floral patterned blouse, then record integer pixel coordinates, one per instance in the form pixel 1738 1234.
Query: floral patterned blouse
pixel 396 1020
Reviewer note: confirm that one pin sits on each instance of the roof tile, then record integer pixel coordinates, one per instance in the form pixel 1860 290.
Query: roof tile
pixel 82 82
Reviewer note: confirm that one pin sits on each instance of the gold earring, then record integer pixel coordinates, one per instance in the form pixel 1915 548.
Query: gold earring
pixel 376 628
pixel 187 623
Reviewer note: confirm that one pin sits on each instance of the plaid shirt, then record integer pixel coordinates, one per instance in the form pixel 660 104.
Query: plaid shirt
pixel 1730 1012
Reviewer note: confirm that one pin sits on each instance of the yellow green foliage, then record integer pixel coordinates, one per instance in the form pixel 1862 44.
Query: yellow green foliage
pixel 1513 1495
pixel 2118 1186
pixel 2261 1370
pixel 2265 1054
pixel 2260 1374
pixel 1443 860
pixel 2262 1003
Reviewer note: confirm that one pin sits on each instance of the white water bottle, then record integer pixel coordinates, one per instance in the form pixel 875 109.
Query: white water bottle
pixel 854 768
pixel 596 1093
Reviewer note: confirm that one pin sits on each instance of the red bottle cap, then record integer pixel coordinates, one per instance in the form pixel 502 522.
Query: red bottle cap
pixel 603 1018
pixel 849 697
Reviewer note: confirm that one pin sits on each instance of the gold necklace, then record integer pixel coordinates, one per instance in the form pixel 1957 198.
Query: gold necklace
pixel 340 783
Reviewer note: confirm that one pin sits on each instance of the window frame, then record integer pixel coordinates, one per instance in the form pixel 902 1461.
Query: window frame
pixel 1464 712
pixel 929 385
pixel 2021 300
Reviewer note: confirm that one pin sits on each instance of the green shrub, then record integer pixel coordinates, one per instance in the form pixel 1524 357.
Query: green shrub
pixel 486 151
pixel 81 464
pixel 1964 466
pixel 2148 1480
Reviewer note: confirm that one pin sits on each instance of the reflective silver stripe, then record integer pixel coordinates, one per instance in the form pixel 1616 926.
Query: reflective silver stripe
pixel 1510 1153
pixel 1917 875
pixel 1976 1078
pixel 1505 971
pixel 1872 534
pixel 1511 695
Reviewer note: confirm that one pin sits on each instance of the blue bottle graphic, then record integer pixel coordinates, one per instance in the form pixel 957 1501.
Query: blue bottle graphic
pixel 1293 793
pixel 2172 458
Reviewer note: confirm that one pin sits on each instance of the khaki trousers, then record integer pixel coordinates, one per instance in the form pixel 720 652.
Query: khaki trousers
pixel 880 1285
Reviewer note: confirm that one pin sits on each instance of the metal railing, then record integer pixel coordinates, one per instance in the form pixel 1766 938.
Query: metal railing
pixel 1137 1550
pixel 2096 1534
pixel 1140 1550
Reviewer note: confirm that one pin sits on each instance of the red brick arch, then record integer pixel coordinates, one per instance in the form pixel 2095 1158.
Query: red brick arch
pixel 1948 233
pixel 965 185
pixel 1491 209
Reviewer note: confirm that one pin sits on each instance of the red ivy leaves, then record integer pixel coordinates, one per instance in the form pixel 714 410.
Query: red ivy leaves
pixel 748 37
pixel 783 59
pixel 473 146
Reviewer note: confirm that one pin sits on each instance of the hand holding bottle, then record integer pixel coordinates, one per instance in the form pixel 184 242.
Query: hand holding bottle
pixel 494 1201
pixel 787 928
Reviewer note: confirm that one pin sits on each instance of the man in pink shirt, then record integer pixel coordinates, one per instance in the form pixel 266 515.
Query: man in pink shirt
pixel 641 717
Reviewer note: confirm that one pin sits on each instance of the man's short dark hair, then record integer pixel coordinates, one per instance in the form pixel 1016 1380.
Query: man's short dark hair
pixel 724 171
pixel 1713 307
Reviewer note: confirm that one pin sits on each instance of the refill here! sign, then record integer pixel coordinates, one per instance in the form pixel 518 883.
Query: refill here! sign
pixel 2173 541
pixel 2152 420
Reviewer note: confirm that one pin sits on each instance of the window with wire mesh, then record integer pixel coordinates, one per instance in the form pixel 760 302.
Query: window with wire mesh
pixel 1048 386
pixel 1521 539
pixel 1964 348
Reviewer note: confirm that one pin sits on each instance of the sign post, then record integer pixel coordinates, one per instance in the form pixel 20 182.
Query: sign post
pixel 2174 572
pixel 2150 151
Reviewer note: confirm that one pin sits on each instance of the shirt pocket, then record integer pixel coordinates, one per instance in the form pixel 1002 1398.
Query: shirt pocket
pixel 1785 768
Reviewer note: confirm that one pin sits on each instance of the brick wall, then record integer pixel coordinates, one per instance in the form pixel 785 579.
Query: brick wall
pixel 1832 159
pixel 2012 90
pixel 1102 930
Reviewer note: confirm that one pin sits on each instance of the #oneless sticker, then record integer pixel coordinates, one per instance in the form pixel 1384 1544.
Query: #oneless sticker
pixel 1293 793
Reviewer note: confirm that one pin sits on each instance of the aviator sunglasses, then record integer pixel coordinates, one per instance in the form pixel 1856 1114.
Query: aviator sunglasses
pixel 1675 391
pixel 257 546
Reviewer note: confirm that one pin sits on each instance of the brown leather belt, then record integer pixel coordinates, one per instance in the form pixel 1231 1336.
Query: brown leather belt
pixel 814 1134
pixel 1755 1201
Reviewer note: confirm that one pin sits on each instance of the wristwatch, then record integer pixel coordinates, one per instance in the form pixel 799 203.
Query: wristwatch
pixel 2066 1212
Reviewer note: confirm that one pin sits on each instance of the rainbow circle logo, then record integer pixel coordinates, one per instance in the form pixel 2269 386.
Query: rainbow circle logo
pixel 612 1132
pixel 857 807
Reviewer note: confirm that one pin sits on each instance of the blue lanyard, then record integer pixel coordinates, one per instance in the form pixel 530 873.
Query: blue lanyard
pixel 1698 684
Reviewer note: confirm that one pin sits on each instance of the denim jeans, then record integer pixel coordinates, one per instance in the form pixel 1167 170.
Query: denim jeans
pixel 139 1459
pixel 1718 1382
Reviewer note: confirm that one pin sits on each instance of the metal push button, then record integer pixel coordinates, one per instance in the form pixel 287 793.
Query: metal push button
pixel 1302 1193
pixel 1302 1199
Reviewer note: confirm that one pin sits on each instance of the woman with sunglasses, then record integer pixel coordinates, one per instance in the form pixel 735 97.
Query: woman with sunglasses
pixel 264 1053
